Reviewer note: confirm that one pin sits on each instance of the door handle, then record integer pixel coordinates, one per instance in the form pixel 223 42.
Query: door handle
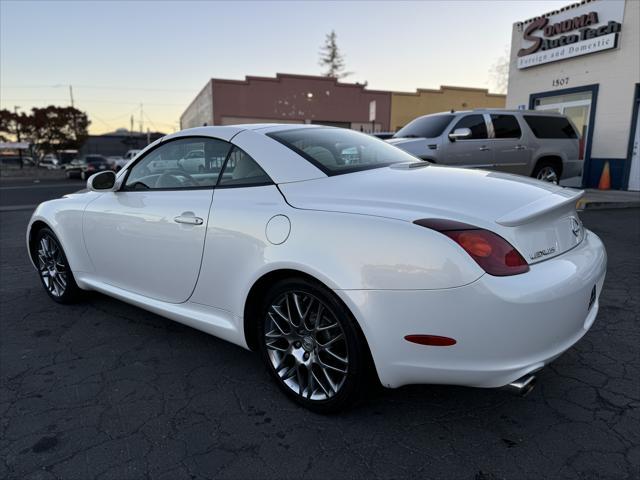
pixel 520 147
pixel 188 219
pixel 484 148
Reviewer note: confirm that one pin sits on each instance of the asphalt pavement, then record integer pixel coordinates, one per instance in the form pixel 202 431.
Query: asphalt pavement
pixel 25 194
pixel 104 390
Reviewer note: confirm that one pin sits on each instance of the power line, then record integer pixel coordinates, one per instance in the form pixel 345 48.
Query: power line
pixel 97 87
pixel 89 101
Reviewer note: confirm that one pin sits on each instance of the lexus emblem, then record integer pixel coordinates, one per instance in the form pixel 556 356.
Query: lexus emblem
pixel 576 227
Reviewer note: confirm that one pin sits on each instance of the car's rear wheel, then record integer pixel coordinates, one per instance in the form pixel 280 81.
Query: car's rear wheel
pixel 53 267
pixel 547 172
pixel 311 346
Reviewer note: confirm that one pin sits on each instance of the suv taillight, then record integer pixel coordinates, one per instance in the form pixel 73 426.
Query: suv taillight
pixel 493 253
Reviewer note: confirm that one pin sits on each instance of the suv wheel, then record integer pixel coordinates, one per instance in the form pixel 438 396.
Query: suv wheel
pixel 547 172
pixel 311 346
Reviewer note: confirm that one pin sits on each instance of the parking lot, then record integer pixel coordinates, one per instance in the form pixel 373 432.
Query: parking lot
pixel 102 389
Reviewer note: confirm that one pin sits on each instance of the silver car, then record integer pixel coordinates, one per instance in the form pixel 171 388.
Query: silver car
pixel 543 145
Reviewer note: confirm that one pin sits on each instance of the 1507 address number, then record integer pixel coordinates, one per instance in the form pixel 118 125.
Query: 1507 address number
pixel 560 82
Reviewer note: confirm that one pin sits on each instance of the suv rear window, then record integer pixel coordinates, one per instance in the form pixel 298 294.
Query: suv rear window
pixel 505 126
pixel 550 127
pixel 429 126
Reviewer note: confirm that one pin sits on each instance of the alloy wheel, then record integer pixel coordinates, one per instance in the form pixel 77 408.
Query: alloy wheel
pixel 306 345
pixel 52 266
pixel 548 174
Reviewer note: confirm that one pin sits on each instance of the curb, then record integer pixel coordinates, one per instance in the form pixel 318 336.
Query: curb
pixel 582 205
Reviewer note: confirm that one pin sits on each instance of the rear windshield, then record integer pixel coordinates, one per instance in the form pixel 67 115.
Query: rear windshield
pixel 339 150
pixel 550 127
pixel 429 126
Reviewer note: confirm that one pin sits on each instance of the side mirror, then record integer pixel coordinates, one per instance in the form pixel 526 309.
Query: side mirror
pixel 102 182
pixel 459 134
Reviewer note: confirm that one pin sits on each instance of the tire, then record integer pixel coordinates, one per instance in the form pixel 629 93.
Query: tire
pixel 547 171
pixel 320 362
pixel 53 268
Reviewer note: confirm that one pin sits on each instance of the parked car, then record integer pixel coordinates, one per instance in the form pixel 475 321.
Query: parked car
pixel 117 162
pixel 50 162
pixel 416 272
pixel 542 145
pixel 383 135
pixel 193 162
pixel 87 166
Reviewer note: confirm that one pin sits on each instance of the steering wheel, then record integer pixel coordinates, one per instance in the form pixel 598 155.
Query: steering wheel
pixel 175 172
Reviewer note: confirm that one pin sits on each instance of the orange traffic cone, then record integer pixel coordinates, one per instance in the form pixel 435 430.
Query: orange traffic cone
pixel 605 178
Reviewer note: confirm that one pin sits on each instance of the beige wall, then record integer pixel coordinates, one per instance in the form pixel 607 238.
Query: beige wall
pixel 407 106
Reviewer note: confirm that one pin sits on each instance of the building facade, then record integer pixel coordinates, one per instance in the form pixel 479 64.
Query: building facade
pixel 289 99
pixel 584 61
pixel 407 106
pixel 117 143
pixel 321 100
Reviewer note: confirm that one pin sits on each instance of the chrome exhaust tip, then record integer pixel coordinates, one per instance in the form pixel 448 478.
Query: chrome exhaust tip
pixel 523 386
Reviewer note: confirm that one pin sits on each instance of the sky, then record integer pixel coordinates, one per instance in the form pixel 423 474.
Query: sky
pixel 120 55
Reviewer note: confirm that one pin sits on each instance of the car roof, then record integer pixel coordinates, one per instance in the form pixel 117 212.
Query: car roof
pixel 227 132
pixel 497 110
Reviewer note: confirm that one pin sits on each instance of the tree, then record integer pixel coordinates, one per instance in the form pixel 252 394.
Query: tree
pixel 49 129
pixel 499 73
pixel 11 125
pixel 331 59
pixel 52 128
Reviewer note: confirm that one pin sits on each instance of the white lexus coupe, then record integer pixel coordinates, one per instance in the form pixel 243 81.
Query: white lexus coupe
pixel 334 254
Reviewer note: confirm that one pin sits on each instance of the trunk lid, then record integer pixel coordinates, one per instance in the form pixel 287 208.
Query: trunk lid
pixel 537 218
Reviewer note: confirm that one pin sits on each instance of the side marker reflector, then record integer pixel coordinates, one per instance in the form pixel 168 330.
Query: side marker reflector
pixel 433 340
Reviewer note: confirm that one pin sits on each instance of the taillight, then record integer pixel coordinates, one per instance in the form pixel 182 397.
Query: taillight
pixel 493 253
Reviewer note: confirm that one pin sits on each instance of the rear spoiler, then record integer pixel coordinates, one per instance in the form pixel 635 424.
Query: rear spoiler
pixel 536 209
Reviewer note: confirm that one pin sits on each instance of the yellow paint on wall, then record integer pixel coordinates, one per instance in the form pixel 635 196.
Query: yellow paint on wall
pixel 407 106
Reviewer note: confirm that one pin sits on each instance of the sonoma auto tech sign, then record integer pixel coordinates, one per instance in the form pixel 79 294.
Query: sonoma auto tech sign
pixel 589 28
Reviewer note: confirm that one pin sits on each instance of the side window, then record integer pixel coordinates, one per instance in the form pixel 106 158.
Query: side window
pixel 183 163
pixel 242 170
pixel 506 126
pixel 550 127
pixel 476 124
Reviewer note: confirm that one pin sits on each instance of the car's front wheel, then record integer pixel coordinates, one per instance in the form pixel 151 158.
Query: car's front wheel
pixel 312 346
pixel 53 267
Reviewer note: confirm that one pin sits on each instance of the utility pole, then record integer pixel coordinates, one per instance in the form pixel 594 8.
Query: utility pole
pixel 15 109
pixel 73 114
pixel 141 122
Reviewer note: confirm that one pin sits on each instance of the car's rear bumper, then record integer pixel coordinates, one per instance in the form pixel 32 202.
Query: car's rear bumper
pixel 504 327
